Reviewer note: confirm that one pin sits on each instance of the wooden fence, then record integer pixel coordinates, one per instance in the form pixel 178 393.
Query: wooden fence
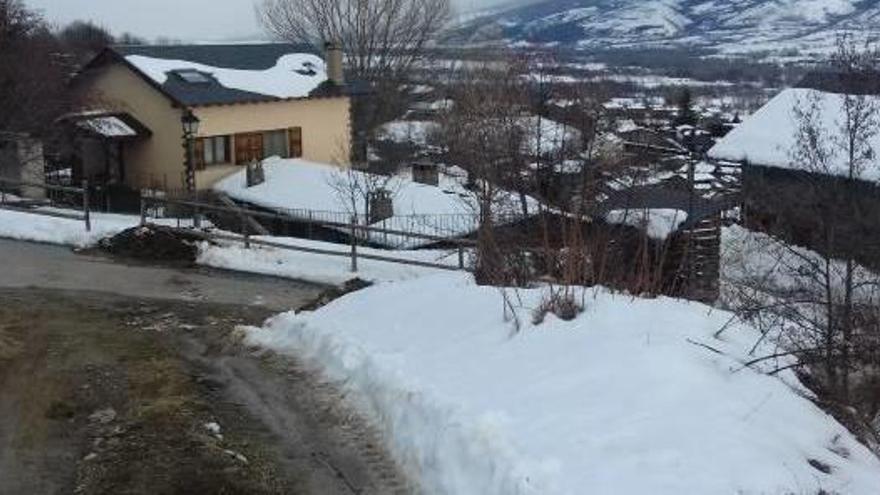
pixel 14 202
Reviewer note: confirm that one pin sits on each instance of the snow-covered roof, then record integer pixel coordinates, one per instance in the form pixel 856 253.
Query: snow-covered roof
pixel 547 136
pixel 768 136
pixel 108 126
pixel 209 74
pixel 657 223
pixel 299 187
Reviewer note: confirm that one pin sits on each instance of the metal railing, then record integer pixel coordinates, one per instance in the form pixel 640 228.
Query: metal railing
pixel 14 197
pixel 357 233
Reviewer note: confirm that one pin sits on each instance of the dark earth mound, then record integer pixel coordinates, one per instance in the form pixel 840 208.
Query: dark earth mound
pixel 155 243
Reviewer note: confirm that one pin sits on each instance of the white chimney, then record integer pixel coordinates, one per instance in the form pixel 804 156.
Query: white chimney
pixel 333 60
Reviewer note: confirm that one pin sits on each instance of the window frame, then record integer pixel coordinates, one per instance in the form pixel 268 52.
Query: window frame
pixel 215 144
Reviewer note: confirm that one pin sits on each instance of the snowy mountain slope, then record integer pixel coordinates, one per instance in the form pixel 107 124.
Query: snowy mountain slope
pixel 728 25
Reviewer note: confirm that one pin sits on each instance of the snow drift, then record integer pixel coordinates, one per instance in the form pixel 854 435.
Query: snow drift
pixel 634 396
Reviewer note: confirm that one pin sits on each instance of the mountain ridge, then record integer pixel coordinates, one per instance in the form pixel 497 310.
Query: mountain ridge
pixel 732 26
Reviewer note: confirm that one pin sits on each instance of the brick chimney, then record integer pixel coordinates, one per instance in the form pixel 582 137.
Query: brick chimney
pixel 333 60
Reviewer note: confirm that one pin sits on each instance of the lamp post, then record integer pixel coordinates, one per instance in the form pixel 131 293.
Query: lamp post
pixel 190 128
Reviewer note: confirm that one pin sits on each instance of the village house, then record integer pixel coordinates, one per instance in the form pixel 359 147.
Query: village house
pixel 251 101
pixel 798 201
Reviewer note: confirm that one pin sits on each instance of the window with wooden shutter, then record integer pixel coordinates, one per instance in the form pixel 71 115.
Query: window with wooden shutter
pixel 211 151
pixel 296 144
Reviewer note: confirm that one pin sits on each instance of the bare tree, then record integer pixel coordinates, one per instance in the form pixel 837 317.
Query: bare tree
pixel 383 41
pixel 819 304
pixel 33 75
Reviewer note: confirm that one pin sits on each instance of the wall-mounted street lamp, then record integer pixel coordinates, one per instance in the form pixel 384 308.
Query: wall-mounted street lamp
pixel 190 128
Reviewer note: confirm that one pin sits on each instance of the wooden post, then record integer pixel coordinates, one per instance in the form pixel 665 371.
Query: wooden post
pixel 310 224
pixel 85 198
pixel 354 261
pixel 197 223
pixel 460 257
pixel 245 230
pixel 143 208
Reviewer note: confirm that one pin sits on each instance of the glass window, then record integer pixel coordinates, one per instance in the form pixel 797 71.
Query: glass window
pixel 275 144
pixel 209 150
pixel 215 150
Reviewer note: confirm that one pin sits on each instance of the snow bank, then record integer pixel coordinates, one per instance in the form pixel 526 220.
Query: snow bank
pixel 768 136
pixel 295 75
pixel 64 231
pixel 619 401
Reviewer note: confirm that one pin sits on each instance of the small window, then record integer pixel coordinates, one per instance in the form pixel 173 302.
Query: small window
pixel 275 144
pixel 212 150
pixel 193 77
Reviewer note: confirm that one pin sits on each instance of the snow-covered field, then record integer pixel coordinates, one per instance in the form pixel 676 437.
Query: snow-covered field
pixel 634 396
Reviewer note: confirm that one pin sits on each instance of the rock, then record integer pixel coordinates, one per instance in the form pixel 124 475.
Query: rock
pixel 103 416
pixel 236 456
pixel 92 456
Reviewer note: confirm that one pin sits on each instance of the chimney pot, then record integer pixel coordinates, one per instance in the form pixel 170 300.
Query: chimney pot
pixel 333 60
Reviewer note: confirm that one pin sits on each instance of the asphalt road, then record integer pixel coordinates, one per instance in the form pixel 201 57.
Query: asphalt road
pixel 31 265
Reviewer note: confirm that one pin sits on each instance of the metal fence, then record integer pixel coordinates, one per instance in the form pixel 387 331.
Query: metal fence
pixel 358 235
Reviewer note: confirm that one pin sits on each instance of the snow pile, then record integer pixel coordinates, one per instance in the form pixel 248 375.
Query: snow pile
pixel 768 136
pixel 295 75
pixel 658 223
pixel 623 400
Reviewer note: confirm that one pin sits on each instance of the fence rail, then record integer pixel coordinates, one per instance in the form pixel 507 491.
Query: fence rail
pixel 357 232
pixel 27 205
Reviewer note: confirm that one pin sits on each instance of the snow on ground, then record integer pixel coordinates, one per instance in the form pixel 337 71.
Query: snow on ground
pixel 295 75
pixel 658 223
pixel 414 132
pixel 623 400
pixel 327 269
pixel 768 136
pixel 319 268
pixel 756 259
pixel 70 232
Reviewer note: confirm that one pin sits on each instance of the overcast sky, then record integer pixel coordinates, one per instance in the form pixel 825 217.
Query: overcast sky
pixel 189 20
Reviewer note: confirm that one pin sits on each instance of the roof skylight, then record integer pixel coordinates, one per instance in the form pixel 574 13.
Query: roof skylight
pixel 193 76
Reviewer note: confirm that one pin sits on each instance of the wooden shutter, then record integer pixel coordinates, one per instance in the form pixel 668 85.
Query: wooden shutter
pixel 199 154
pixel 248 147
pixel 296 145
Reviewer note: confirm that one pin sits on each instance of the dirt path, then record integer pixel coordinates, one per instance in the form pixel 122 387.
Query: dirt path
pixel 105 393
